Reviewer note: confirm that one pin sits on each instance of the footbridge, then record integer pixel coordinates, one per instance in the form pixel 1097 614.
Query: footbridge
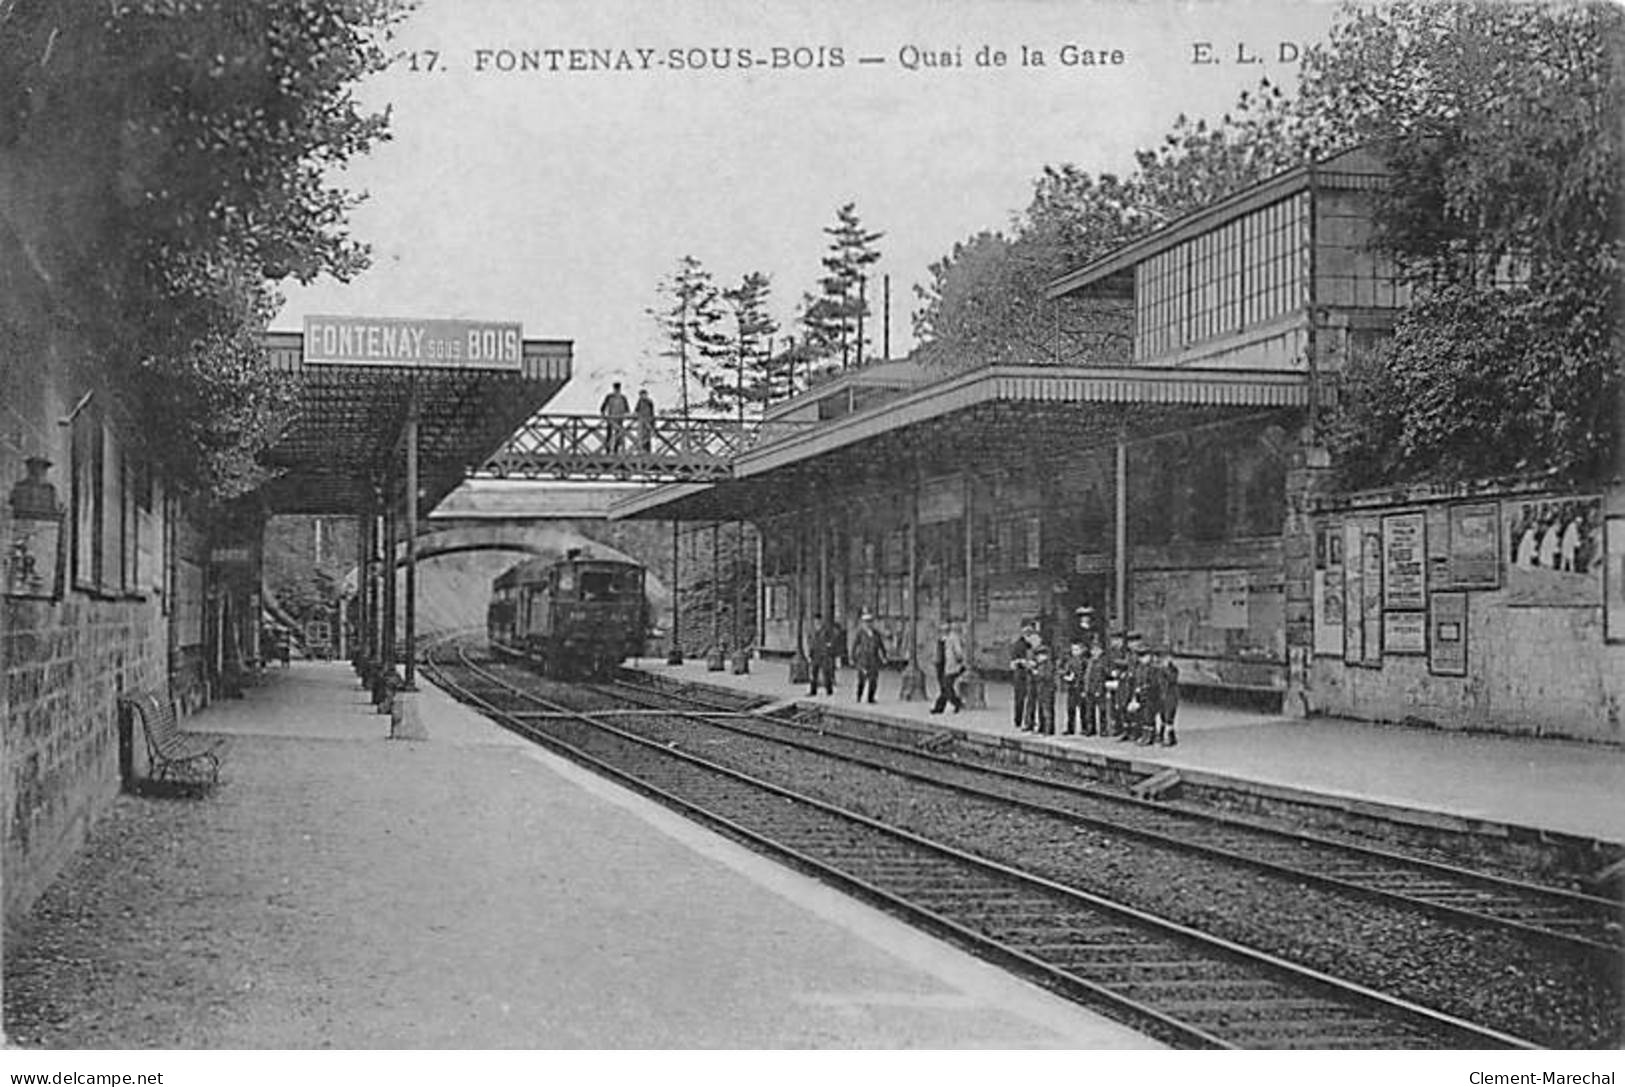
pixel 668 449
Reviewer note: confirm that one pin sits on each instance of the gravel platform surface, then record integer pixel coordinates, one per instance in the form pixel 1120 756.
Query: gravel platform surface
pixel 374 894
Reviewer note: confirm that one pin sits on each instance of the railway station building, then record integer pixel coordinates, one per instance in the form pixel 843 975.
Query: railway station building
pixel 118 582
pixel 1173 481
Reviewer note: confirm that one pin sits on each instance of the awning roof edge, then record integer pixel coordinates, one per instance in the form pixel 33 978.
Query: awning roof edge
pixel 1188 386
pixel 1038 384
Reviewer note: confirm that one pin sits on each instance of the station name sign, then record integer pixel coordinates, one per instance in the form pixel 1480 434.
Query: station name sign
pixel 406 341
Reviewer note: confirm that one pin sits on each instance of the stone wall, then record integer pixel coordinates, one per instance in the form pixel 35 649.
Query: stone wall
pixel 1535 654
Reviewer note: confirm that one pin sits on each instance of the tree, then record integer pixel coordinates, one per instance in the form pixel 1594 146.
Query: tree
pixel 833 319
pixel 987 304
pixel 749 343
pixel 164 162
pixel 689 316
pixel 1502 126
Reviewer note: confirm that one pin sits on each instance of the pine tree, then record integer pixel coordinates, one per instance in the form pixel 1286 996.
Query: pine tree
pixel 690 315
pixel 834 319
pixel 749 345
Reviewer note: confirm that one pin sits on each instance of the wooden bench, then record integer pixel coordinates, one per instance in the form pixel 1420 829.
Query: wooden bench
pixel 169 750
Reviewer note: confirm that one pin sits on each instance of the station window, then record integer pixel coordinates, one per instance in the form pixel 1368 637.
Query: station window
pixel 117 520
pixel 1246 272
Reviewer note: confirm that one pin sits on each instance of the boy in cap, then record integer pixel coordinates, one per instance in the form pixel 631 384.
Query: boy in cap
pixel 1074 675
pixel 1041 695
pixel 1095 718
pixel 1170 697
pixel 1119 676
pixel 1147 699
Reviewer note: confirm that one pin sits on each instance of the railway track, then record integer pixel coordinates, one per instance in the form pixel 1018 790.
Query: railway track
pixel 1581 924
pixel 1177 983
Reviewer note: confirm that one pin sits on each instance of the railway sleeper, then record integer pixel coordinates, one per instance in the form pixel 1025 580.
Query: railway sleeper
pixel 1160 993
pixel 1109 950
pixel 1154 971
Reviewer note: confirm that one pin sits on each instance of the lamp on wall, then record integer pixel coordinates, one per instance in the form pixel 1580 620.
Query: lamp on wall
pixel 33 551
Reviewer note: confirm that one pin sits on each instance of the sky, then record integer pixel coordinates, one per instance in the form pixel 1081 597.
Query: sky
pixel 551 161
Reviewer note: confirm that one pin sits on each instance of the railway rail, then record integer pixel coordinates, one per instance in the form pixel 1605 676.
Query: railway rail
pixel 1183 985
pixel 1584 924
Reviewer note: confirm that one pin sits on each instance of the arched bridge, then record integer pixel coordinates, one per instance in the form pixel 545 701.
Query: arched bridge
pixel 485 527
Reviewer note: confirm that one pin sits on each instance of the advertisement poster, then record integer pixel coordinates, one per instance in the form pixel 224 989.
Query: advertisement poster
pixel 1328 588
pixel 1554 552
pixel 1403 588
pixel 1437 530
pixel 1353 594
pixel 1447 647
pixel 1404 633
pixel 1371 598
pixel 1614 582
pixel 1475 553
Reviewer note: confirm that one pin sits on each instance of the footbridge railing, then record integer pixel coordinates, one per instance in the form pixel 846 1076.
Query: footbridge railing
pixel 592 447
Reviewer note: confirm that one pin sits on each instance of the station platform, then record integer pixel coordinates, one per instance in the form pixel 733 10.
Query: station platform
pixel 343 890
pixel 1477 782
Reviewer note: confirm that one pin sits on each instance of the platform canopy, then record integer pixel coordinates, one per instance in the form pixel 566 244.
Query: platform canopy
pixel 987 418
pixel 471 383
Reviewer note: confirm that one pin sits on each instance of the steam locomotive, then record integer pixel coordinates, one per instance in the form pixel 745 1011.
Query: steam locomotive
pixel 572 617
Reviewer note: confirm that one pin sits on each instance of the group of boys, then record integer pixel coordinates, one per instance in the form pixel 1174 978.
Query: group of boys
pixel 1122 689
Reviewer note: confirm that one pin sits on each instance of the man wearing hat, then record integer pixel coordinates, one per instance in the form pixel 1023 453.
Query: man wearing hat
pixel 1021 669
pixel 868 654
pixel 828 643
pixel 1086 629
pixel 1119 683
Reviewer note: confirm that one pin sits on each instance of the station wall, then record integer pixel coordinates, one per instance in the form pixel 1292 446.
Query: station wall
pixel 1206 552
pixel 90 602
pixel 1472 609
pixel 72 637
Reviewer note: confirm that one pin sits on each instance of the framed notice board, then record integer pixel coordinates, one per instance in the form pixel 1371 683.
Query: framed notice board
pixel 1447 641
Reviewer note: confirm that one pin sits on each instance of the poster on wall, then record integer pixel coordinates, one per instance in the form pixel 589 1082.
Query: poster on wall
pixel 1447 645
pixel 1371 597
pixel 1475 547
pixel 1353 592
pixel 1227 606
pixel 1329 612
pixel 1403 554
pixel 1437 533
pixel 1554 552
pixel 1613 615
pixel 1404 633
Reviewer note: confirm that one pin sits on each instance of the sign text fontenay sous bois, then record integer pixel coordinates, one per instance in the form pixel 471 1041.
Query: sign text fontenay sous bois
pixel 405 341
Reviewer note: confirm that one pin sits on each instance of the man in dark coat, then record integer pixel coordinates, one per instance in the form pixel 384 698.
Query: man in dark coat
pixel 1020 669
pixel 1074 674
pixel 614 409
pixel 828 645
pixel 1146 702
pixel 644 413
pixel 1170 697
pixel 1041 692
pixel 868 654
pixel 1086 629
pixel 1119 685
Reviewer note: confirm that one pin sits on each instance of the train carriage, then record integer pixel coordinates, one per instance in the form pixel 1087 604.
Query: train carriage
pixel 571 617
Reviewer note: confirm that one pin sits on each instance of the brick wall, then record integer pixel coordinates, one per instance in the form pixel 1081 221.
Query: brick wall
pixel 63 662
pixel 65 665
